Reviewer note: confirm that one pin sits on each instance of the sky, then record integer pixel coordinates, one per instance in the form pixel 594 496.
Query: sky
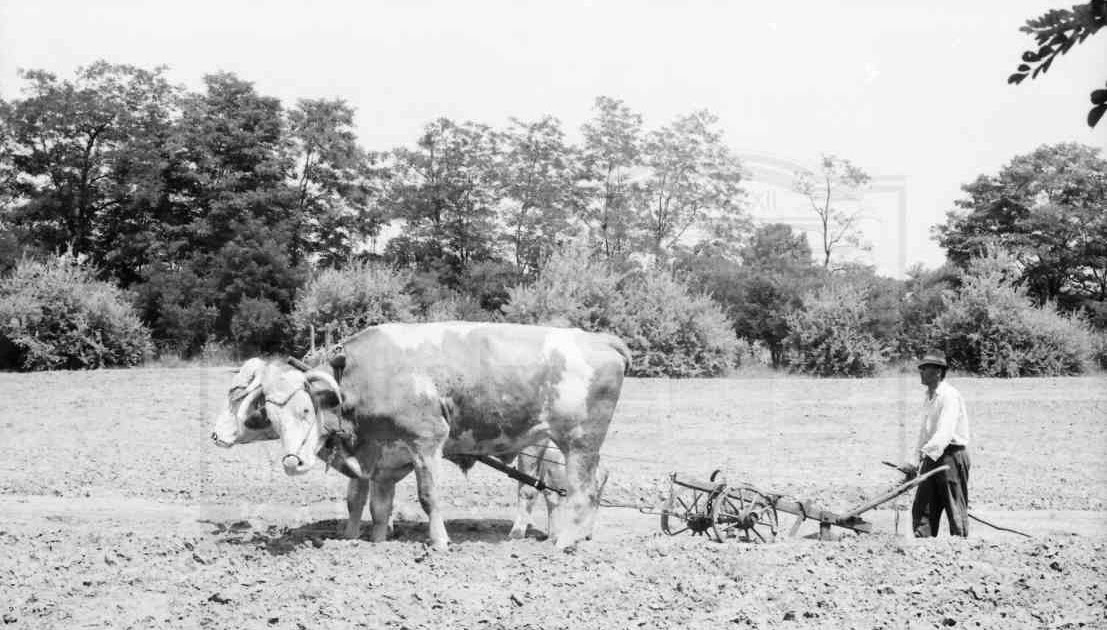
pixel 914 93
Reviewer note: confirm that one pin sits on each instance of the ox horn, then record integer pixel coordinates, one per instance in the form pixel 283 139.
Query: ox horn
pixel 317 376
pixel 253 390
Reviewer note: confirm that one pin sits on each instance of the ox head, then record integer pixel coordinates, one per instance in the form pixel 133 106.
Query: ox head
pixel 245 419
pixel 266 403
pixel 296 404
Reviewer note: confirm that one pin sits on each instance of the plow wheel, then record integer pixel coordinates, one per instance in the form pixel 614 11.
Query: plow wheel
pixel 743 511
pixel 687 510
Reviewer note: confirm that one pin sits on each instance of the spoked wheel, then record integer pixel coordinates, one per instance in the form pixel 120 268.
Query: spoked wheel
pixel 743 511
pixel 687 510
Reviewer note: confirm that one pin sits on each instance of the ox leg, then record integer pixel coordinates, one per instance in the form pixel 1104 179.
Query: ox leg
pixel 528 496
pixel 553 503
pixel 528 462
pixel 427 463
pixel 575 516
pixel 356 494
pixel 380 507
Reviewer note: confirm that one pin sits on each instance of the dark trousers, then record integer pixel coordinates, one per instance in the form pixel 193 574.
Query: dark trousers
pixel 948 491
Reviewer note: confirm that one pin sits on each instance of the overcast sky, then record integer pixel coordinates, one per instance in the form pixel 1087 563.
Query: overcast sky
pixel 916 89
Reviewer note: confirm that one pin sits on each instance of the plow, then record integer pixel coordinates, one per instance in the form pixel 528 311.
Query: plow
pixel 723 511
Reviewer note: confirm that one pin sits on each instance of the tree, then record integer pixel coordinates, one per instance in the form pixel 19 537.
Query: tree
pixel 334 182
pixel 611 150
pixel 1046 208
pixel 836 184
pixel 444 191
pixel 760 289
pixel 694 180
pixel 86 156
pixel 1056 32
pixel 228 233
pixel 538 190
pixel 923 302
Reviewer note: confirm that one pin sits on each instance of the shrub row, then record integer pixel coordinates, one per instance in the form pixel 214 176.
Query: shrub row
pixel 56 314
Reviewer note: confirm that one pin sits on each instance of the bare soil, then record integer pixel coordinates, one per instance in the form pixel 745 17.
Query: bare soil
pixel 117 512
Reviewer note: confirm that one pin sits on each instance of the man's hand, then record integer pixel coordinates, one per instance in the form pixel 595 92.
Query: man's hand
pixel 909 470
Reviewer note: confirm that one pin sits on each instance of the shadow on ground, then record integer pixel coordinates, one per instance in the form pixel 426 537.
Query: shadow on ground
pixel 281 540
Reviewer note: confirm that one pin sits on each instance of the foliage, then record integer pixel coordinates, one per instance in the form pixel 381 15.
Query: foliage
pixel 258 325
pixel 694 180
pixel 335 182
pixel 457 307
pixel 345 301
pixel 1056 32
pixel 54 314
pixel 882 299
pixel 991 327
pixel 1099 349
pixel 671 330
pixel 1046 208
pixel 761 288
pixel 444 192
pixel 487 284
pixel 830 335
pixel 833 193
pixel 611 150
pixel 221 191
pixel 922 303
pixel 87 156
pixel 537 182
pixel 178 305
pixel 571 290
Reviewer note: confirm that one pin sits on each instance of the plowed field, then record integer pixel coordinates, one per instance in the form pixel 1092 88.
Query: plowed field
pixel 116 511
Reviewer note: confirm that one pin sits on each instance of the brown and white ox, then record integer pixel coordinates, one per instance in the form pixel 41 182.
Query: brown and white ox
pixel 414 394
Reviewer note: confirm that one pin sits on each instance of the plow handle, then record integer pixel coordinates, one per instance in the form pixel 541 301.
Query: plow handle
pixel 894 492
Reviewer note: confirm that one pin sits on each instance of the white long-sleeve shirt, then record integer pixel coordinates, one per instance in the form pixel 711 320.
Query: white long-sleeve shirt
pixel 944 421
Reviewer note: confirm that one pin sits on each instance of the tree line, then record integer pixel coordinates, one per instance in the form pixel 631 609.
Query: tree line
pixel 217 212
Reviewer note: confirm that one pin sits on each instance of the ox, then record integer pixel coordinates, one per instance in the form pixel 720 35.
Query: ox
pixel 410 395
pixel 545 463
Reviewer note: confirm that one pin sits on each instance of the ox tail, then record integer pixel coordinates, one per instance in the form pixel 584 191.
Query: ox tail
pixel 622 348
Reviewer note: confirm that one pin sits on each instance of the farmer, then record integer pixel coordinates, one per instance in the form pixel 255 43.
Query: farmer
pixel 943 437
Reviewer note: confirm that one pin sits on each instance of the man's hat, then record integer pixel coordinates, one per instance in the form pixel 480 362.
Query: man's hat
pixel 934 357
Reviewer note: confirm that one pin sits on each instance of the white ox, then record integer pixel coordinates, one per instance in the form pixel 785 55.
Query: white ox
pixel 413 394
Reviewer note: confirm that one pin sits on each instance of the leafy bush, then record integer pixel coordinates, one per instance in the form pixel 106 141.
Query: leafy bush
pixel 457 307
pixel 672 331
pixel 178 306
pixel 1099 349
pixel 56 315
pixel 830 335
pixel 258 325
pixel 571 290
pixel 991 327
pixel 345 301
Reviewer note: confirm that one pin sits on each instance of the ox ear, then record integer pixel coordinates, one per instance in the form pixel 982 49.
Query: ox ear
pixel 324 389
